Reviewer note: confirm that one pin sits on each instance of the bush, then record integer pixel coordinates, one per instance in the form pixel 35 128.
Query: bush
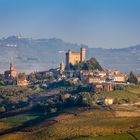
pixel 118 87
pixel 86 98
pixel 90 64
pixel 132 78
pixel 2 109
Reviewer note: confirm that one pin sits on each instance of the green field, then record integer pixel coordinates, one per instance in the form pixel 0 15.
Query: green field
pixel 18 120
pixel 128 95
pixel 131 136
pixel 89 124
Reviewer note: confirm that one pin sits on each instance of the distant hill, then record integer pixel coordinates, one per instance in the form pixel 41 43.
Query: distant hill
pixel 124 59
pixel 41 54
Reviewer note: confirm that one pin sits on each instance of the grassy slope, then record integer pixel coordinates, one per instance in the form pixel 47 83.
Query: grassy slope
pixel 17 120
pixel 90 123
pixel 94 124
pixel 111 137
pixel 126 136
pixel 131 94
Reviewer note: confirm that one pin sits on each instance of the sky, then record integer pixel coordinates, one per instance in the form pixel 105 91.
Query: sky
pixel 96 23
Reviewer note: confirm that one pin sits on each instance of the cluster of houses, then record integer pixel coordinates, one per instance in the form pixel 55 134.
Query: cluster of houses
pixel 96 76
pixel 103 80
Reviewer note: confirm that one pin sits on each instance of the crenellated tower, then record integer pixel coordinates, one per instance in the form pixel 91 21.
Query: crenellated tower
pixel 83 54
pixel 75 57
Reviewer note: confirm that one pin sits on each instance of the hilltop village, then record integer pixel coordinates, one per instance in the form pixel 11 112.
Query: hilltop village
pixel 75 69
pixel 78 89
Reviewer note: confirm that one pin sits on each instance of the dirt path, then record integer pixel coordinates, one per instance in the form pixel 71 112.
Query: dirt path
pixel 127 113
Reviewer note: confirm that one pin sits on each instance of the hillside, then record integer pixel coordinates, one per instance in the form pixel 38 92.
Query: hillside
pixel 40 54
pixel 91 64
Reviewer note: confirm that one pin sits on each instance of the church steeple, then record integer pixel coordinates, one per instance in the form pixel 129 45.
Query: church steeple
pixel 62 67
pixel 11 66
pixel 11 72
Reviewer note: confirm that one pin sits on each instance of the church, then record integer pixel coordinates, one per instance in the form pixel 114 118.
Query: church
pixel 11 73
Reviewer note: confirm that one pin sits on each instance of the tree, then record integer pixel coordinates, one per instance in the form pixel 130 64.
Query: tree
pixel 132 78
pixel 2 109
pixel 2 80
pixel 32 77
pixel 118 87
pixel 22 76
pixel 86 98
pixel 91 64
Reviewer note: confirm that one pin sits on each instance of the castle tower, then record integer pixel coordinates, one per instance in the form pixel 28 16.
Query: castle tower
pixel 75 57
pixel 83 54
pixel 68 55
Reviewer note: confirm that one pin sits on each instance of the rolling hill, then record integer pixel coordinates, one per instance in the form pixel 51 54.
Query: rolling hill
pixel 29 54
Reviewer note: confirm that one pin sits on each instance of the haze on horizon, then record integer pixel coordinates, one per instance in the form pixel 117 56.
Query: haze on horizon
pixel 97 23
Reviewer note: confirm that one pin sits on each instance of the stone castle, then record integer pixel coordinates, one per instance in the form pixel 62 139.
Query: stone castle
pixel 75 57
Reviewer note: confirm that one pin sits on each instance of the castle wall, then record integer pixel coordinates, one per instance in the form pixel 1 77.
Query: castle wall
pixel 75 57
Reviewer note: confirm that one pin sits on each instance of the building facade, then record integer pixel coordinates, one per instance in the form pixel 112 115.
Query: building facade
pixel 104 87
pixel 93 80
pixel 75 57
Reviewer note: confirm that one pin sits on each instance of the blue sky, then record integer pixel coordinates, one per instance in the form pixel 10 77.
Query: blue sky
pixel 97 23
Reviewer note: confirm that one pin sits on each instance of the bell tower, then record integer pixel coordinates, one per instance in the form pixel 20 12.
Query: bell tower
pixel 11 67
pixel 62 67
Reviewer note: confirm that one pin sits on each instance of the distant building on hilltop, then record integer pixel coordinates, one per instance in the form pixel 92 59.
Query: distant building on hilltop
pixel 62 67
pixel 12 73
pixel 75 57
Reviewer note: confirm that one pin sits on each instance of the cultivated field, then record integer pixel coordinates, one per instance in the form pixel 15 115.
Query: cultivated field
pixel 90 124
pixel 118 122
